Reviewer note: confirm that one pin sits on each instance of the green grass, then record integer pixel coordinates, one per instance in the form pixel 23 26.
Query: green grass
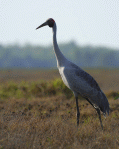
pixel 34 89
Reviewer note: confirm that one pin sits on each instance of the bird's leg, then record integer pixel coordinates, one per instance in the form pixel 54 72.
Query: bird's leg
pixel 98 111
pixel 78 113
pixel 90 102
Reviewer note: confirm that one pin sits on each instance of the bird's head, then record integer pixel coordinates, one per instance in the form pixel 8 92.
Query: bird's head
pixel 50 22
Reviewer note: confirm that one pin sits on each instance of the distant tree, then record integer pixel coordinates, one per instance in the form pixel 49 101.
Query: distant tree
pixel 41 56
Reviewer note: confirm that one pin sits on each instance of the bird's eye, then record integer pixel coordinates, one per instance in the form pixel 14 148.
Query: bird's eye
pixel 52 21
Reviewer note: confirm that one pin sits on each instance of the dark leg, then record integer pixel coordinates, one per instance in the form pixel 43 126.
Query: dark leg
pixel 78 113
pixel 90 102
pixel 98 111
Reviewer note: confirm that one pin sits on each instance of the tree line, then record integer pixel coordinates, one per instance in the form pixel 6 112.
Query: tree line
pixel 32 56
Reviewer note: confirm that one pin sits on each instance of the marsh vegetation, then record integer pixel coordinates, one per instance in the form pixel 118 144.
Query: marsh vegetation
pixel 38 111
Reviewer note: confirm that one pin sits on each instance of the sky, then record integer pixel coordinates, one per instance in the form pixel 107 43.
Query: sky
pixel 88 22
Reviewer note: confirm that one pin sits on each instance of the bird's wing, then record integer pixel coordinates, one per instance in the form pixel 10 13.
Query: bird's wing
pixel 80 82
pixel 84 76
pixel 87 77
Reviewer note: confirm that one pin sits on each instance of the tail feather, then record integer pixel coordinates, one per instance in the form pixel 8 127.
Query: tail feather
pixel 104 105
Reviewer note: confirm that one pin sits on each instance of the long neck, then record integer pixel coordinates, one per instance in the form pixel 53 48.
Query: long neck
pixel 59 56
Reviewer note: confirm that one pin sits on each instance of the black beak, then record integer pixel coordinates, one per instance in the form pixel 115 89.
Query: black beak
pixel 44 24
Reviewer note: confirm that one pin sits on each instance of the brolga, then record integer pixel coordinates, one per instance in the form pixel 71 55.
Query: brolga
pixel 76 79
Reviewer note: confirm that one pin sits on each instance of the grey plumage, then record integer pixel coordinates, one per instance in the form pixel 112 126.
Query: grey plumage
pixel 80 82
pixel 84 84
pixel 90 88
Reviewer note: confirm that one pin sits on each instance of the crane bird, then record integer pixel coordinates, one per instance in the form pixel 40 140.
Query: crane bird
pixel 76 79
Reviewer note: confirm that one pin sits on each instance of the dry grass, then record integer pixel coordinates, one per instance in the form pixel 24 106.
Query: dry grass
pixel 50 121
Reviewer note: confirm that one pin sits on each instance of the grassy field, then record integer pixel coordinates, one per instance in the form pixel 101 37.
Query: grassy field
pixel 37 111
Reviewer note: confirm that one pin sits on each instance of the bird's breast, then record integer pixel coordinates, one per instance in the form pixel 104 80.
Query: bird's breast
pixel 63 76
